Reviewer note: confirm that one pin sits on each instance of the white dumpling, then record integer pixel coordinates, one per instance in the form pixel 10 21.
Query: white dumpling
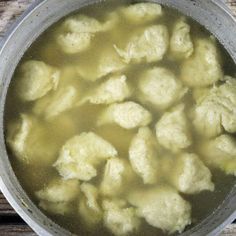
pixel 36 80
pixel 160 87
pixel 203 68
pixel 221 153
pixel 56 103
pixel 115 89
pixel 29 141
pixel 78 31
pixel 128 115
pixel 162 207
pixel 181 45
pixel 120 219
pixel 89 209
pixel 106 63
pixel 143 156
pixel 58 195
pixel 59 191
pixel 190 175
pixel 150 46
pixel 81 154
pixel 142 12
pixel 216 111
pixel 117 174
pixel 172 130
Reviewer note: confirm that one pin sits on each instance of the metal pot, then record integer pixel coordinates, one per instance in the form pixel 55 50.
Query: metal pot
pixel 213 14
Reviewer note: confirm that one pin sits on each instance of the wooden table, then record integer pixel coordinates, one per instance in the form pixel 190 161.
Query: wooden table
pixel 10 223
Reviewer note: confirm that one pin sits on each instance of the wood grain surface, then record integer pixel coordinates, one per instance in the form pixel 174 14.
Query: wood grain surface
pixel 10 223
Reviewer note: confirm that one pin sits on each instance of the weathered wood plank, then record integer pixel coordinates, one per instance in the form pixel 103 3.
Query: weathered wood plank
pixel 5 208
pixel 16 230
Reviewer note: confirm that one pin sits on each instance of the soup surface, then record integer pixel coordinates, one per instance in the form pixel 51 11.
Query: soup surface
pixel 120 120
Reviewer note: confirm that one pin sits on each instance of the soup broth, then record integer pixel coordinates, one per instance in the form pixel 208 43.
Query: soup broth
pixel 119 120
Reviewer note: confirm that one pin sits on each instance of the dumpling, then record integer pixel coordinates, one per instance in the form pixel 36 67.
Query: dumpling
pixel 81 154
pixel 160 87
pixel 115 89
pixel 78 31
pixel 89 209
pixel 116 176
pixel 162 207
pixel 190 175
pixel 172 130
pixel 56 103
pixel 143 156
pixel 150 46
pixel 128 115
pixel 181 45
pixel 28 139
pixel 119 218
pixel 141 13
pixel 221 153
pixel 36 80
pixel 108 62
pixel 203 68
pixel 58 195
pixel 216 111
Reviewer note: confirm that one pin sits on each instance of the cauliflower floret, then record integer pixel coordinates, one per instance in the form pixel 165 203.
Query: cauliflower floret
pixel 128 115
pixel 150 46
pixel 36 80
pixel 161 88
pixel 116 176
pixel 143 155
pixel 181 45
pixel 81 154
pixel 107 62
pixel 142 12
pixel 115 89
pixel 162 207
pixel 190 175
pixel 56 103
pixel 89 208
pixel 221 153
pixel 57 196
pixel 216 111
pixel 120 219
pixel 203 67
pixel 29 141
pixel 172 130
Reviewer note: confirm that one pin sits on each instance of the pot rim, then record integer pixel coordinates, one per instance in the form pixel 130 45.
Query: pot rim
pixel 24 211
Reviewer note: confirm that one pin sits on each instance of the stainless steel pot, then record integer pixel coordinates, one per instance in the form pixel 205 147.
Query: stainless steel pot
pixel 213 14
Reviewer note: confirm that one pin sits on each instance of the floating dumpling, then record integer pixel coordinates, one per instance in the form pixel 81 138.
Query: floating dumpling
pixel 162 207
pixel 81 154
pixel 119 218
pixel 221 153
pixel 216 111
pixel 28 140
pixel 117 175
pixel 181 45
pixel 115 89
pixel 36 80
pixel 128 115
pixel 56 103
pixel 150 46
pixel 141 13
pixel 89 209
pixel 160 87
pixel 106 63
pixel 143 156
pixel 172 130
pixel 57 196
pixel 203 68
pixel 190 175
